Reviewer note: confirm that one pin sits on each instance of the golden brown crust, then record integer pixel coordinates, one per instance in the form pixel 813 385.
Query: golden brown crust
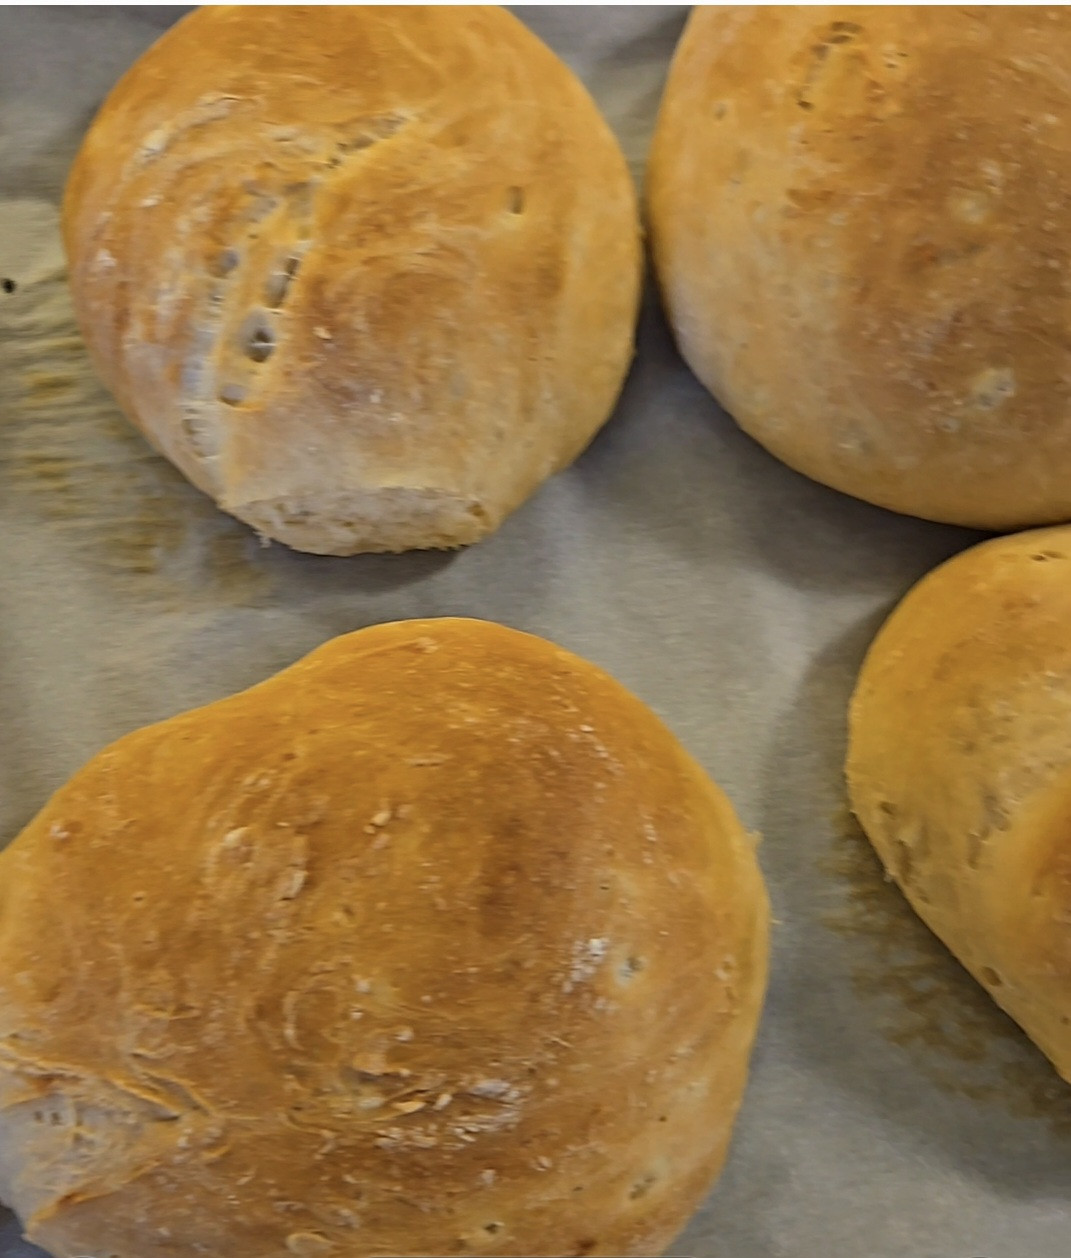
pixel 959 768
pixel 436 942
pixel 366 274
pixel 856 216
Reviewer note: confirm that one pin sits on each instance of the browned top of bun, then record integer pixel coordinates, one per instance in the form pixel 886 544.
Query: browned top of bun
pixel 960 768
pixel 857 218
pixel 439 932
pixel 366 274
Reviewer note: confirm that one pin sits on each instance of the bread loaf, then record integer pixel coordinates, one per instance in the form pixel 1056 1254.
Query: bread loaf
pixel 857 221
pixel 959 769
pixel 366 274
pixel 435 943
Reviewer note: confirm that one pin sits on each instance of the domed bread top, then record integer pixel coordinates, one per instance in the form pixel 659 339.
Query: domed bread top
pixel 858 222
pixel 959 768
pixel 366 274
pixel 436 942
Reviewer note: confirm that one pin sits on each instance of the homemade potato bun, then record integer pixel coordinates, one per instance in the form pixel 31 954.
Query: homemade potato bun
pixel 858 222
pixel 366 274
pixel 437 942
pixel 959 769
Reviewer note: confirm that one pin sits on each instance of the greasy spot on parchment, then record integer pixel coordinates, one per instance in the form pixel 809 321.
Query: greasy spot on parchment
pixel 71 460
pixel 928 1004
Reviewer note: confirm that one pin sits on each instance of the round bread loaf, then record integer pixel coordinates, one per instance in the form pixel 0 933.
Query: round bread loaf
pixel 435 943
pixel 959 769
pixel 858 225
pixel 366 275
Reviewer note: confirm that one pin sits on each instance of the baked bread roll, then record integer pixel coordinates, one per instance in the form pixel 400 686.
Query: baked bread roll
pixel 435 943
pixel 366 274
pixel 959 769
pixel 857 222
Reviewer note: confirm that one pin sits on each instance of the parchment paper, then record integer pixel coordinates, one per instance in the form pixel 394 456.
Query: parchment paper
pixel 892 1111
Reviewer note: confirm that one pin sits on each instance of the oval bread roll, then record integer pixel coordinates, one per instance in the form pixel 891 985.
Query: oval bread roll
pixel 436 942
pixel 366 274
pixel 959 769
pixel 858 222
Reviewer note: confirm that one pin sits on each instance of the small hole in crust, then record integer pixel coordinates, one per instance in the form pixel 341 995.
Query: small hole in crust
pixel 257 337
pixel 260 345
pixel 233 394
pixel 990 977
pixel 8 286
pixel 515 200
pixel 297 515
pixel 1043 555
pixel 275 289
pixel 630 967
pixel 278 283
pixel 720 110
pixel 357 143
pixel 261 202
pixel 642 1187
pixel 492 1229
pixel 224 263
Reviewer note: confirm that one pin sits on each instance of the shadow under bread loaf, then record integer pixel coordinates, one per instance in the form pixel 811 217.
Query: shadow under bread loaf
pixel 367 275
pixel 858 218
pixel 959 769
pixel 437 942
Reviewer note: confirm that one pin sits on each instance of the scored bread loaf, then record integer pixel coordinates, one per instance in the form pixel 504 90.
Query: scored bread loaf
pixel 959 769
pixel 367 275
pixel 437 942
pixel 857 219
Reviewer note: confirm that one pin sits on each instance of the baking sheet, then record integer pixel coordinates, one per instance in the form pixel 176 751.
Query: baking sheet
pixel 892 1110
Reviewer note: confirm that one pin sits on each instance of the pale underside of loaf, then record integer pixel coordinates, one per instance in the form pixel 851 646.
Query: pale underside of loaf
pixel 388 520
